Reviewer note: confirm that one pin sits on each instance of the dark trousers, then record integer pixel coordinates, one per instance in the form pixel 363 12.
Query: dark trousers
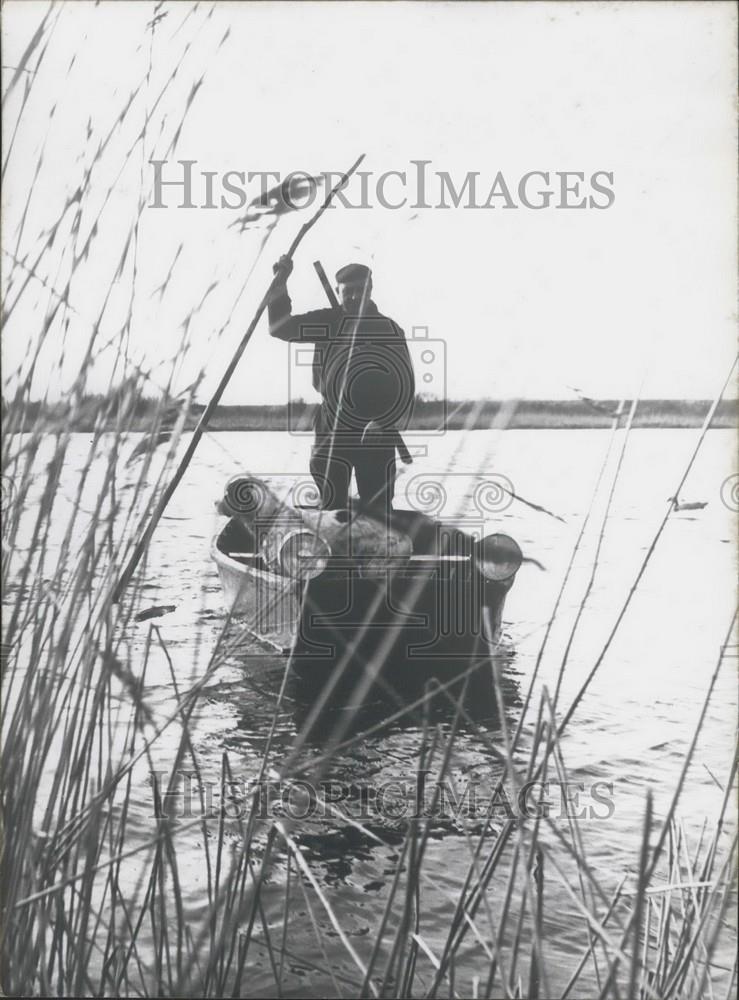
pixel 331 468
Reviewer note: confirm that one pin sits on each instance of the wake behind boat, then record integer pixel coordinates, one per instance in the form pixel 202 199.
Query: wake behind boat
pixel 402 590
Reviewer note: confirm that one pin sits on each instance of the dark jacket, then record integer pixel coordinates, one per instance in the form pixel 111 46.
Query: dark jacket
pixel 379 384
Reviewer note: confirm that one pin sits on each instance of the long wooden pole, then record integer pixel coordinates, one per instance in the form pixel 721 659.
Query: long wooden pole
pixel 174 482
pixel 330 293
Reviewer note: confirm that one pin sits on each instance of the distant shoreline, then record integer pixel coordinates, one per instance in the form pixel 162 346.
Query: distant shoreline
pixel 429 415
pixel 436 415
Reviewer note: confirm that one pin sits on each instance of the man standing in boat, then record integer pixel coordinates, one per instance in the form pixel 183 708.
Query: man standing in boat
pixel 363 371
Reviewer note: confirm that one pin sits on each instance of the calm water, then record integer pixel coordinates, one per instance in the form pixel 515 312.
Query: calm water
pixel 631 730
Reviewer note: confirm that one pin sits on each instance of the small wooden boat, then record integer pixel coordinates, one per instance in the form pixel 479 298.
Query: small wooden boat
pixel 436 601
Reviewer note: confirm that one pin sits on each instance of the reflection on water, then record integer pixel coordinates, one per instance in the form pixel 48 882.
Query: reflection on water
pixel 363 795
pixel 402 702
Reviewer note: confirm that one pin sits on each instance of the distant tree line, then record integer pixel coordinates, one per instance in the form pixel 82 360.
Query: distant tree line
pixel 124 410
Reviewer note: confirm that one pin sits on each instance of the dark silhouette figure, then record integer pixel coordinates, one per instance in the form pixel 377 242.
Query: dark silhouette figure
pixel 363 371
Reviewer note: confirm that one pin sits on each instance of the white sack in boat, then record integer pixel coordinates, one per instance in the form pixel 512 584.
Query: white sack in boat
pixel 359 535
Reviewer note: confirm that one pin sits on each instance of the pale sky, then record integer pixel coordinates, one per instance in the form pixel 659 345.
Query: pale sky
pixel 638 297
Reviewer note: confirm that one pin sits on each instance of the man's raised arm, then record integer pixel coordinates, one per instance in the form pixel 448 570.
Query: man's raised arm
pixel 282 323
pixel 311 327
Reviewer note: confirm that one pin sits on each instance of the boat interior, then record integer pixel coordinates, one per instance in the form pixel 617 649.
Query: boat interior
pixel 431 540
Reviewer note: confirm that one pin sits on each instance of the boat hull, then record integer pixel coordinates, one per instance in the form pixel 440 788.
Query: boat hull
pixel 425 612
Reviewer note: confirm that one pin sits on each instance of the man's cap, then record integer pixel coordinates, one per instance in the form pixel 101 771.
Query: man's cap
pixel 353 272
